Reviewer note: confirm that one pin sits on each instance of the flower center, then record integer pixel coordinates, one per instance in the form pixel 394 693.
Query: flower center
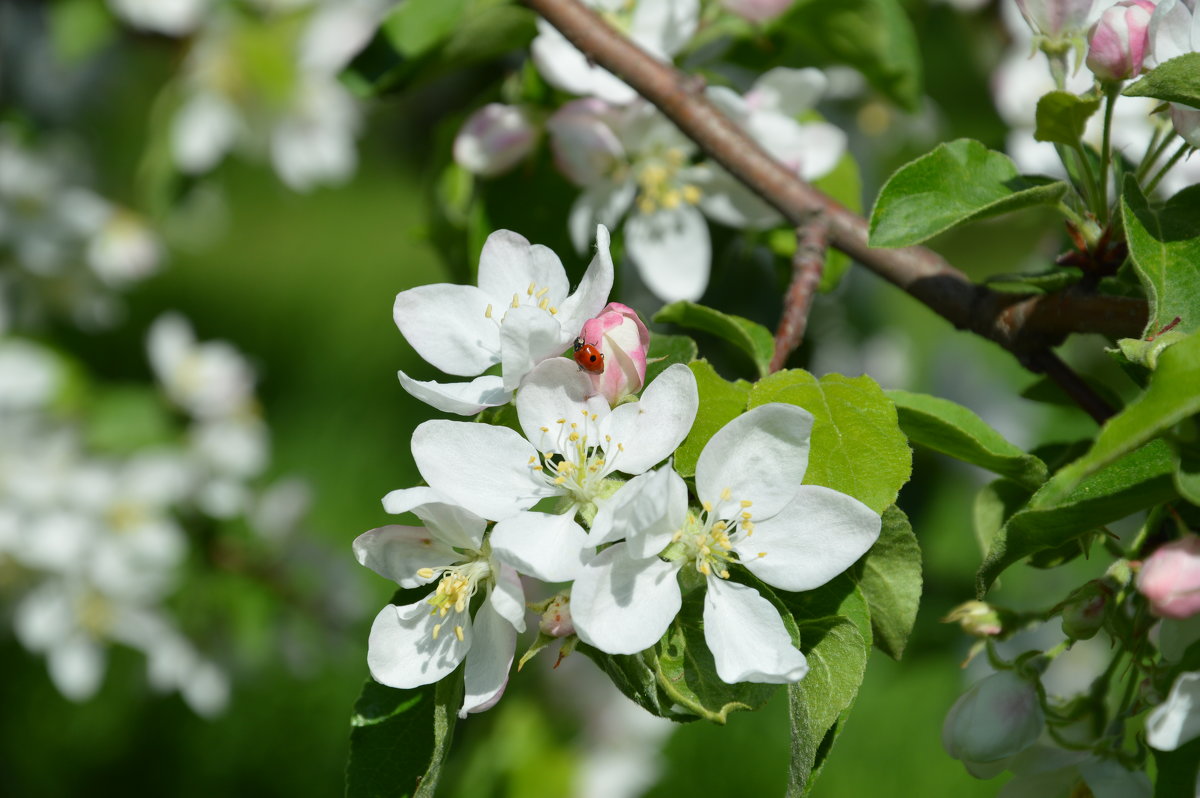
pixel 706 538
pixel 458 585
pixel 124 516
pixel 583 460
pixel 535 296
pixel 660 184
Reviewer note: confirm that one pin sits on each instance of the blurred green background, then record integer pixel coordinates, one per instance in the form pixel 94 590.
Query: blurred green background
pixel 304 284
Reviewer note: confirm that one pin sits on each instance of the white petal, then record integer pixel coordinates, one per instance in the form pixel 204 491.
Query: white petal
pixel 1176 721
pixel 401 651
pixel 819 534
pixel 557 389
pixel 651 428
pixel 585 148
pixel 509 265
pixel 202 132
pixel 528 335
pixel 592 294
pixel 621 605
pixel 604 203
pixel 508 597
pixel 566 68
pixel 663 28
pixel 810 150
pixel 747 637
pixel 543 545
pixel 672 251
pixel 397 552
pixel 483 468
pixel 448 327
pixel 76 666
pixel 760 456
pixel 646 512
pixel 488 661
pixel 726 199
pixel 460 398
pixel 789 91
pixel 448 522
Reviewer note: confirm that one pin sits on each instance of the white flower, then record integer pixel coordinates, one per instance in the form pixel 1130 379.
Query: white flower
pixel 414 645
pixel 172 17
pixel 29 375
pixel 1175 31
pixel 574 443
pixel 313 143
pixel 494 139
pixel 660 27
pixel 755 513
pixel 518 316
pixel 1176 721
pixel 209 380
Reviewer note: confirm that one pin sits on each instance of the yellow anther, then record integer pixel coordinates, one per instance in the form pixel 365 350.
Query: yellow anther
pixel 543 304
pixel 437 627
pixel 553 310
pixel 574 436
pixel 692 194
pixel 646 205
pixel 561 421
pixel 671 199
pixel 745 503
pixel 516 303
pixel 544 429
pixel 458 632
pixel 762 554
pixel 538 468
pixel 559 480
pixel 707 506
pixel 620 447
pixel 487 314
pixel 608 439
pixel 725 574
pixel 530 289
pixel 533 457
pixel 425 573
pixel 594 416
pixel 543 292
pixel 674 156
pixel 746 516
pixel 726 495
pixel 677 536
pixel 704 569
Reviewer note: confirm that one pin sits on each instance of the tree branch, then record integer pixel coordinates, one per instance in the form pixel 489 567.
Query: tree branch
pixel 1023 324
pixel 812 243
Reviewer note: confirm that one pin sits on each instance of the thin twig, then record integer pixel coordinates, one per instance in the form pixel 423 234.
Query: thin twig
pixel 1072 385
pixel 917 270
pixel 812 244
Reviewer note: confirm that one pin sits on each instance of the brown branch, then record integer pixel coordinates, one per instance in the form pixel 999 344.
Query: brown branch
pixel 1072 385
pixel 812 242
pixel 1021 324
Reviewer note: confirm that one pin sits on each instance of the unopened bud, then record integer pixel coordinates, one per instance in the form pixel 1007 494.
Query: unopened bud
pixel 494 139
pixel 1117 43
pixel 1084 611
pixel 998 717
pixel 1170 578
pixel 977 618
pixel 556 618
pixel 624 341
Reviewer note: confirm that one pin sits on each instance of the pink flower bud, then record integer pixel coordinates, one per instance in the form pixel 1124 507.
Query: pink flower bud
pixel 1118 41
pixel 556 620
pixel 1053 18
pixel 1170 578
pixel 1084 611
pixel 758 10
pixel 998 717
pixel 977 618
pixel 585 147
pixel 494 139
pixel 624 341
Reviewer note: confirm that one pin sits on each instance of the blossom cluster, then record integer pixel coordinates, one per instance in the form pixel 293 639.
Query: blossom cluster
pixel 630 161
pixel 98 527
pixel 581 490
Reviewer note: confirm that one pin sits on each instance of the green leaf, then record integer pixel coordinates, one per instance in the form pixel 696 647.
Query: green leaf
pixel 126 418
pixel 417 26
pixel 672 349
pixel 959 182
pixel 752 338
pixel 1175 81
pixel 721 401
pixel 1044 282
pixel 1138 480
pixel 1062 116
pixel 1173 395
pixel 79 29
pixel 857 446
pixel 1187 472
pixel 835 634
pixel 890 579
pixel 995 503
pixel 873 36
pixel 954 430
pixel 1164 244
pixel 399 738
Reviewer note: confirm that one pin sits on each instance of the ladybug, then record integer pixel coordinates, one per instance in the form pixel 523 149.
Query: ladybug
pixel 589 358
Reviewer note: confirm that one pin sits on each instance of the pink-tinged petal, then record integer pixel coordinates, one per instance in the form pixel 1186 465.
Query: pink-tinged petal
pixel 760 457
pixel 547 546
pixel 488 661
pixel 508 597
pixel 557 390
pixel 747 637
pixel 1176 721
pixel 623 339
pixel 819 534
pixel 448 327
pixel 402 652
pixel 1170 578
pixel 621 605
pixel 592 293
pixel 672 251
pixel 509 265
pixel 645 512
pixel 398 552
pixel 586 150
pixel 448 522
pixel 648 431
pixel 482 468
pixel 528 336
pixel 460 398
pixel 494 139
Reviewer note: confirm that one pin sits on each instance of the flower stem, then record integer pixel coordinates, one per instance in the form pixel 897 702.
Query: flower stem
pixel 1153 155
pixel 1110 96
pixel 1153 184
pixel 1090 186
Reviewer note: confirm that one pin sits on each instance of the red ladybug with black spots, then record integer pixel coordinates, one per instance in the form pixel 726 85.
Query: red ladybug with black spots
pixel 589 357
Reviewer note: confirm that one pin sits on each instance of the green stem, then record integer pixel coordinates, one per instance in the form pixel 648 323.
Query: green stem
pixel 1089 179
pixel 1070 213
pixel 1153 156
pixel 1183 148
pixel 1110 93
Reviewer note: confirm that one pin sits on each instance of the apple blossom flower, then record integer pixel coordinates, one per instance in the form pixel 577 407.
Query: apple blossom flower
pixel 518 316
pixel 411 645
pixel 998 717
pixel 1175 31
pixel 660 27
pixel 622 338
pixel 1117 42
pixel 1055 18
pixel 1176 721
pixel 572 443
pixel 759 11
pixel 755 513
pixel 1170 578
pixel 494 139
pixel 208 380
